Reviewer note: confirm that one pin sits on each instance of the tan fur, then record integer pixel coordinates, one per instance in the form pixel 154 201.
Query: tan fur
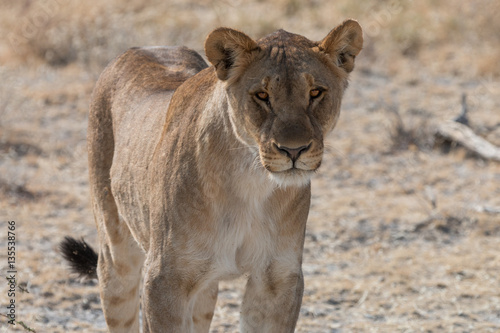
pixel 196 177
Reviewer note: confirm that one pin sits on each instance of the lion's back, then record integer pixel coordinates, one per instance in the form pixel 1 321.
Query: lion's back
pixel 127 113
pixel 158 68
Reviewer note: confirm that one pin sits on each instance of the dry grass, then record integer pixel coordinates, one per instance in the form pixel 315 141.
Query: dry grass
pixel 458 39
pixel 402 237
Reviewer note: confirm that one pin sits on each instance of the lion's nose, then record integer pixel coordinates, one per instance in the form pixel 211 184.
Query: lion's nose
pixel 293 153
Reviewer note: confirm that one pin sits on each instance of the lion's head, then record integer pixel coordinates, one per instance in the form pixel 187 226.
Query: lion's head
pixel 284 93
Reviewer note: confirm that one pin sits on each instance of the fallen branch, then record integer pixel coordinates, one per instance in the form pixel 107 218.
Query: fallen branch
pixel 463 135
pixel 487 209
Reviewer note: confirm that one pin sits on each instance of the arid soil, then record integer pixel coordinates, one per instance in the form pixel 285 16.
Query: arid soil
pixel 404 229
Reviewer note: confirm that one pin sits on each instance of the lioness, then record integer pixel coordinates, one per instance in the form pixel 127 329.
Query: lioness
pixel 200 174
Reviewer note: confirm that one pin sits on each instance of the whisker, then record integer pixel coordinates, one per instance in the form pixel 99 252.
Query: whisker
pixel 237 148
pixel 245 147
pixel 331 151
pixel 256 165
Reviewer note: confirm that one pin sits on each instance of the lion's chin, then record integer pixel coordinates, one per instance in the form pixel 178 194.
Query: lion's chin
pixel 291 177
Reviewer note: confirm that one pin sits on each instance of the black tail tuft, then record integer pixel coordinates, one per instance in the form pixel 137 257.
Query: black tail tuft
pixel 81 258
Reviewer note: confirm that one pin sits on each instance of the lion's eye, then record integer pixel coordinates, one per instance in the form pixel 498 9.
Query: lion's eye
pixel 315 93
pixel 263 96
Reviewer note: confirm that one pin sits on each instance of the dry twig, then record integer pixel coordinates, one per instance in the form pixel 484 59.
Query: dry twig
pixel 463 135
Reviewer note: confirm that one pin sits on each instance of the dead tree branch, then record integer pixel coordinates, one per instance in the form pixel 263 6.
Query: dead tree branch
pixel 463 135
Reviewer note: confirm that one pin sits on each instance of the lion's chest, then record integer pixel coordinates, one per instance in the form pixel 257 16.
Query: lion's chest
pixel 243 242
pixel 245 228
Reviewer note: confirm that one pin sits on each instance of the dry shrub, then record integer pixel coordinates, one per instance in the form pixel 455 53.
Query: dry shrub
pixel 418 134
pixel 446 36
pixel 60 32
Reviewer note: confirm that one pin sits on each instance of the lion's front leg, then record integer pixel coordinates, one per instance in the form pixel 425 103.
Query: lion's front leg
pixel 165 300
pixel 272 300
pixel 177 295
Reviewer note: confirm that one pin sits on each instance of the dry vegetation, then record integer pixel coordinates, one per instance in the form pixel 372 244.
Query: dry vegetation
pixel 404 230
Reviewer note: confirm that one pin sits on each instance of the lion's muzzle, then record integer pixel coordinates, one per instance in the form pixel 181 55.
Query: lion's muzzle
pixel 278 157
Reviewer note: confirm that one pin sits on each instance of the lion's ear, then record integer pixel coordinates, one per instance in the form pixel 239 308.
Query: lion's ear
pixel 344 43
pixel 228 50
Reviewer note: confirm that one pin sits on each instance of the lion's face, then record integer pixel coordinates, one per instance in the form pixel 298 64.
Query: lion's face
pixel 284 96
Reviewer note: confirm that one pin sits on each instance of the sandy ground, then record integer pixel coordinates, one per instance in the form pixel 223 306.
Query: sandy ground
pixel 403 233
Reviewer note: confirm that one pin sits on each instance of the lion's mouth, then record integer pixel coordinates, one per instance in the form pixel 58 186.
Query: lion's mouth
pixel 292 170
pixel 291 177
pixel 286 166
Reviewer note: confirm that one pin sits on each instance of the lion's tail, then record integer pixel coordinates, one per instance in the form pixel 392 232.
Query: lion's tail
pixel 82 259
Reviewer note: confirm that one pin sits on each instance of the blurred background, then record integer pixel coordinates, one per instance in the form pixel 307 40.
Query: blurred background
pixel 404 229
